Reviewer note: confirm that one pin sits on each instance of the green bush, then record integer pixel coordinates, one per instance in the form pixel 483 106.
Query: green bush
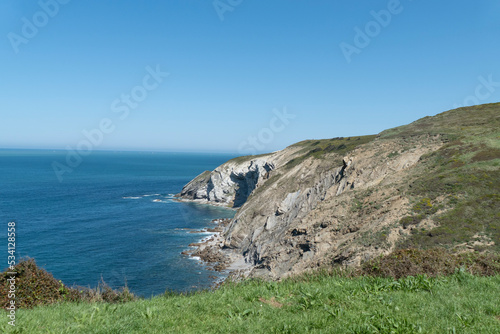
pixel 35 286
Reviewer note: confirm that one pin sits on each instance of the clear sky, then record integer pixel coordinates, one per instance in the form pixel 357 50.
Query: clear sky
pixel 327 68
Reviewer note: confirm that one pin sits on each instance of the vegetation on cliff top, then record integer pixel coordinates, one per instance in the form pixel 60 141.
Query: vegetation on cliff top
pixel 461 122
pixel 460 181
pixel 320 148
pixel 246 158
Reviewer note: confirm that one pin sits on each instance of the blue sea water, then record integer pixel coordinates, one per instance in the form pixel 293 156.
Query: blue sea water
pixel 113 217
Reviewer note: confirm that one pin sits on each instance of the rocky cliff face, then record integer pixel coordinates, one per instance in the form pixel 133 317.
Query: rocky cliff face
pixel 229 184
pixel 319 202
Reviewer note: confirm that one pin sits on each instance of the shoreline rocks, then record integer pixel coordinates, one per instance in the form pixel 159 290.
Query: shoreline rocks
pixel 211 250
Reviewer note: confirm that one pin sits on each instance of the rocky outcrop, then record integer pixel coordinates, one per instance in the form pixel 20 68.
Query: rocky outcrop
pixel 229 184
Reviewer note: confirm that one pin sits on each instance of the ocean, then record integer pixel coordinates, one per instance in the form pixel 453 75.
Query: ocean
pixel 112 218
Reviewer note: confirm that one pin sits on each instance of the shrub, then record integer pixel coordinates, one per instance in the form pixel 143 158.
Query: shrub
pixel 432 262
pixel 35 286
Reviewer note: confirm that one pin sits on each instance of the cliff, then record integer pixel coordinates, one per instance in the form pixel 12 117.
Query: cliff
pixel 229 184
pixel 342 201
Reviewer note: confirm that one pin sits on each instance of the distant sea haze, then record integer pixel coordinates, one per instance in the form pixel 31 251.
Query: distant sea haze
pixel 112 218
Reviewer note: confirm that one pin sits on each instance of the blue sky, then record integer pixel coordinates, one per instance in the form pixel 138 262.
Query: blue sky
pixel 233 65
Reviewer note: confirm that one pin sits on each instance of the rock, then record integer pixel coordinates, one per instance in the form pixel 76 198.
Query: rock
pixel 288 203
pixel 299 231
pixel 214 256
pixel 257 232
pixel 293 217
pixel 229 184
pixel 215 229
pixel 270 223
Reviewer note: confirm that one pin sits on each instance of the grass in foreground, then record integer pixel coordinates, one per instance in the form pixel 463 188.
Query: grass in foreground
pixel 319 303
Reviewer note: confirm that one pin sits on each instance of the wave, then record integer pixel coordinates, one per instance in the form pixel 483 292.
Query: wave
pixel 161 201
pixel 141 196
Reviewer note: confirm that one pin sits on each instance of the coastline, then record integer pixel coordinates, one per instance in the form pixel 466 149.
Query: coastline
pixel 201 201
pixel 211 251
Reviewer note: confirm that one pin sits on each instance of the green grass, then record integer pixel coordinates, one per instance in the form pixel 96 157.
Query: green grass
pixel 476 120
pixel 246 158
pixel 317 303
pixel 319 148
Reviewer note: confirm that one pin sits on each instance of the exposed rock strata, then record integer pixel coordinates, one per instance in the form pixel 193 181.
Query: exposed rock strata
pixel 229 184
pixel 321 211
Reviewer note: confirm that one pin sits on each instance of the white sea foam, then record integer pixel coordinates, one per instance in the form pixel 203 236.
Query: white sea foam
pixel 131 197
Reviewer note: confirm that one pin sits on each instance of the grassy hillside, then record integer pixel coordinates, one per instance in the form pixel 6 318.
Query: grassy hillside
pixel 319 148
pixel 461 179
pixel 319 303
pixel 456 123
